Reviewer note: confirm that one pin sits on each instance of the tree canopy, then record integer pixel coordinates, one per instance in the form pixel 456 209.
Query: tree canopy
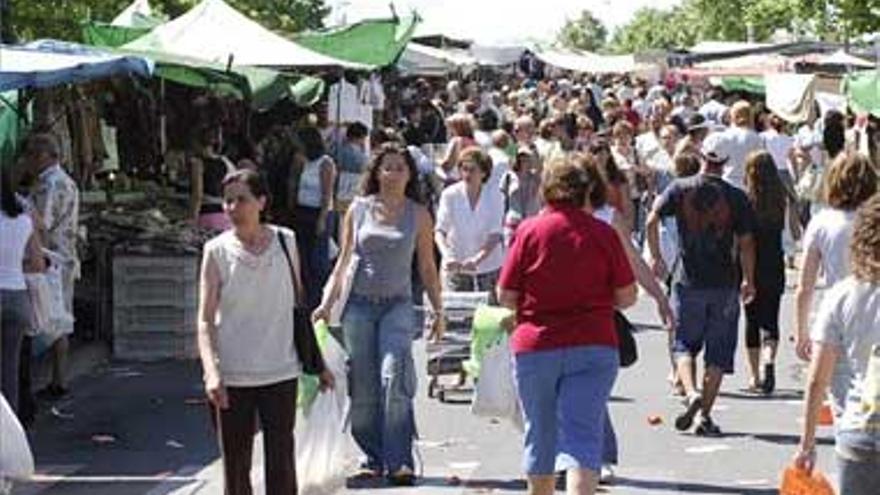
pixel 584 33
pixel 729 20
pixel 60 19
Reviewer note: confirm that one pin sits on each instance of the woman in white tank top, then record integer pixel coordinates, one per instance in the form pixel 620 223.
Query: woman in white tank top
pixel 19 253
pixel 246 336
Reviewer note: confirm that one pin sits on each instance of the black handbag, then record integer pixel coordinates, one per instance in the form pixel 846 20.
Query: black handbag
pixel 626 342
pixel 304 340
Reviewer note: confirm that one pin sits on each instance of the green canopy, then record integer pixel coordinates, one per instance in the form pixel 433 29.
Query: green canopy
pixel 13 126
pixel 110 36
pixel 264 87
pixel 753 85
pixel 862 90
pixel 376 43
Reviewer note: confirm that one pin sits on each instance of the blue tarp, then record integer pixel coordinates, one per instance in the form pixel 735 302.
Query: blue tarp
pixel 49 63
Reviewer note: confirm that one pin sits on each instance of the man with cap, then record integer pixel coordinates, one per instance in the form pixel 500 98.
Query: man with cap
pixel 713 219
pixel 737 142
pixel 697 130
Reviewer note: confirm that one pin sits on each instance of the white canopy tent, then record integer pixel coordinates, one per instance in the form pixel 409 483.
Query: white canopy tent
pixel 497 55
pixel 590 62
pixel 840 57
pixel 134 14
pixel 423 60
pixel 215 32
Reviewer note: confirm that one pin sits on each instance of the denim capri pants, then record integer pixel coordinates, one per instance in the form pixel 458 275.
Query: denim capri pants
pixel 564 394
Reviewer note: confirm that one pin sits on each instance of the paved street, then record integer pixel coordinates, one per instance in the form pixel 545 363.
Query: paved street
pixel 142 429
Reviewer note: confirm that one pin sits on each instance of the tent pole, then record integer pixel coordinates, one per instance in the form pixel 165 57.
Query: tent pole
pixel 163 119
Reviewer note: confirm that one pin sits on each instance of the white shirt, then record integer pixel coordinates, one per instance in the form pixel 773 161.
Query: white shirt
pixel 310 190
pixel 736 143
pixel 255 316
pixel 829 232
pixel 778 145
pixel 849 318
pixel 467 229
pixel 14 235
pixel 500 166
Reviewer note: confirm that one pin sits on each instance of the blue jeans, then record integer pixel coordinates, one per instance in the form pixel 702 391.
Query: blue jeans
pixel 609 442
pixel 564 394
pixel 382 379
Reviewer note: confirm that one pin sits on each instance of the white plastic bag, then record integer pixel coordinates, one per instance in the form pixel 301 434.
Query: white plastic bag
pixel 60 320
pixel 40 297
pixel 16 460
pixel 322 433
pixel 496 395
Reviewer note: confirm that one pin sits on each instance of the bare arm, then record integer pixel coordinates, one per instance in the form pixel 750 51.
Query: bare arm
pixel 821 371
pixel 625 297
pixel 346 249
pixel 328 178
pixel 508 298
pixel 427 266
pixel 34 262
pixel 197 190
pixel 652 226
pixel 747 263
pixel 804 300
pixel 209 301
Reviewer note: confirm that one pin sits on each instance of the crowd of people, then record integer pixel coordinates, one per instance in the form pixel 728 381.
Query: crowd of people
pixel 558 197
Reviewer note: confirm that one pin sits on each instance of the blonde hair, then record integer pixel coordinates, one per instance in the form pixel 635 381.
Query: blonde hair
pixel 850 181
pixel 741 113
pixel 461 125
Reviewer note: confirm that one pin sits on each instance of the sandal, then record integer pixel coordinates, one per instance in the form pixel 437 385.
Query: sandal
pixel 707 428
pixel 403 477
pixel 685 420
pixel 365 472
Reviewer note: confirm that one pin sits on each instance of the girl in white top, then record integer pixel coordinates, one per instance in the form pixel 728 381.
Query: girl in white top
pixel 849 182
pixel 19 253
pixel 469 229
pixel 246 328
pixel 313 221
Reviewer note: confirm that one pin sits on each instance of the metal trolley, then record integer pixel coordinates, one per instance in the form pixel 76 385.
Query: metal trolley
pixel 448 356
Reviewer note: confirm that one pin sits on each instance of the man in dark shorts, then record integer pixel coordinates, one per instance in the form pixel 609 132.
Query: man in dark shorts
pixel 715 265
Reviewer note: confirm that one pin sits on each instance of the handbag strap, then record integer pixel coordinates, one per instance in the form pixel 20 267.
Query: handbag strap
pixel 294 274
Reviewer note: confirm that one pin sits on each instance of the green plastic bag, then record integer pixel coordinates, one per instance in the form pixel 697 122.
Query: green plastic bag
pixel 485 333
pixel 308 384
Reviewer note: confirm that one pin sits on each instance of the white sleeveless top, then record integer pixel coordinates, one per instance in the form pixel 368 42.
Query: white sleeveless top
pixel 255 316
pixel 14 235
pixel 309 194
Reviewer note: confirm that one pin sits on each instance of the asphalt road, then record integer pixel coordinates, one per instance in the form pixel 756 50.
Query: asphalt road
pixel 143 429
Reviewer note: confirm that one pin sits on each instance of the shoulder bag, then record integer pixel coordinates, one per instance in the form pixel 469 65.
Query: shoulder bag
pixel 304 340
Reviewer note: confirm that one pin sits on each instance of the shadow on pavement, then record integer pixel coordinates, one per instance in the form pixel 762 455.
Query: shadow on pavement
pixel 779 394
pixel 127 420
pixel 782 439
pixel 685 487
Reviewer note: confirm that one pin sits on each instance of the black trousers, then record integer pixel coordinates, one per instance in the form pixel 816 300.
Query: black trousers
pixel 275 406
pixel 762 318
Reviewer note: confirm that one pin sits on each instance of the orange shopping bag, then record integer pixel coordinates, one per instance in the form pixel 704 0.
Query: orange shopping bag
pixel 798 482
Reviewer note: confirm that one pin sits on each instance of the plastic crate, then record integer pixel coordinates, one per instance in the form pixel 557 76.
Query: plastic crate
pixel 155 281
pixel 155 346
pixel 154 319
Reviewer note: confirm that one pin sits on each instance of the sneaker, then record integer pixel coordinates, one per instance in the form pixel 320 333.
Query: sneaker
pixel 403 477
pixel 707 428
pixel 684 420
pixel 606 475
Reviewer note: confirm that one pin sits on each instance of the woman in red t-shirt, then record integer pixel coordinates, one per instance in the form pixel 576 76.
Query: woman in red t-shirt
pixel 565 274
